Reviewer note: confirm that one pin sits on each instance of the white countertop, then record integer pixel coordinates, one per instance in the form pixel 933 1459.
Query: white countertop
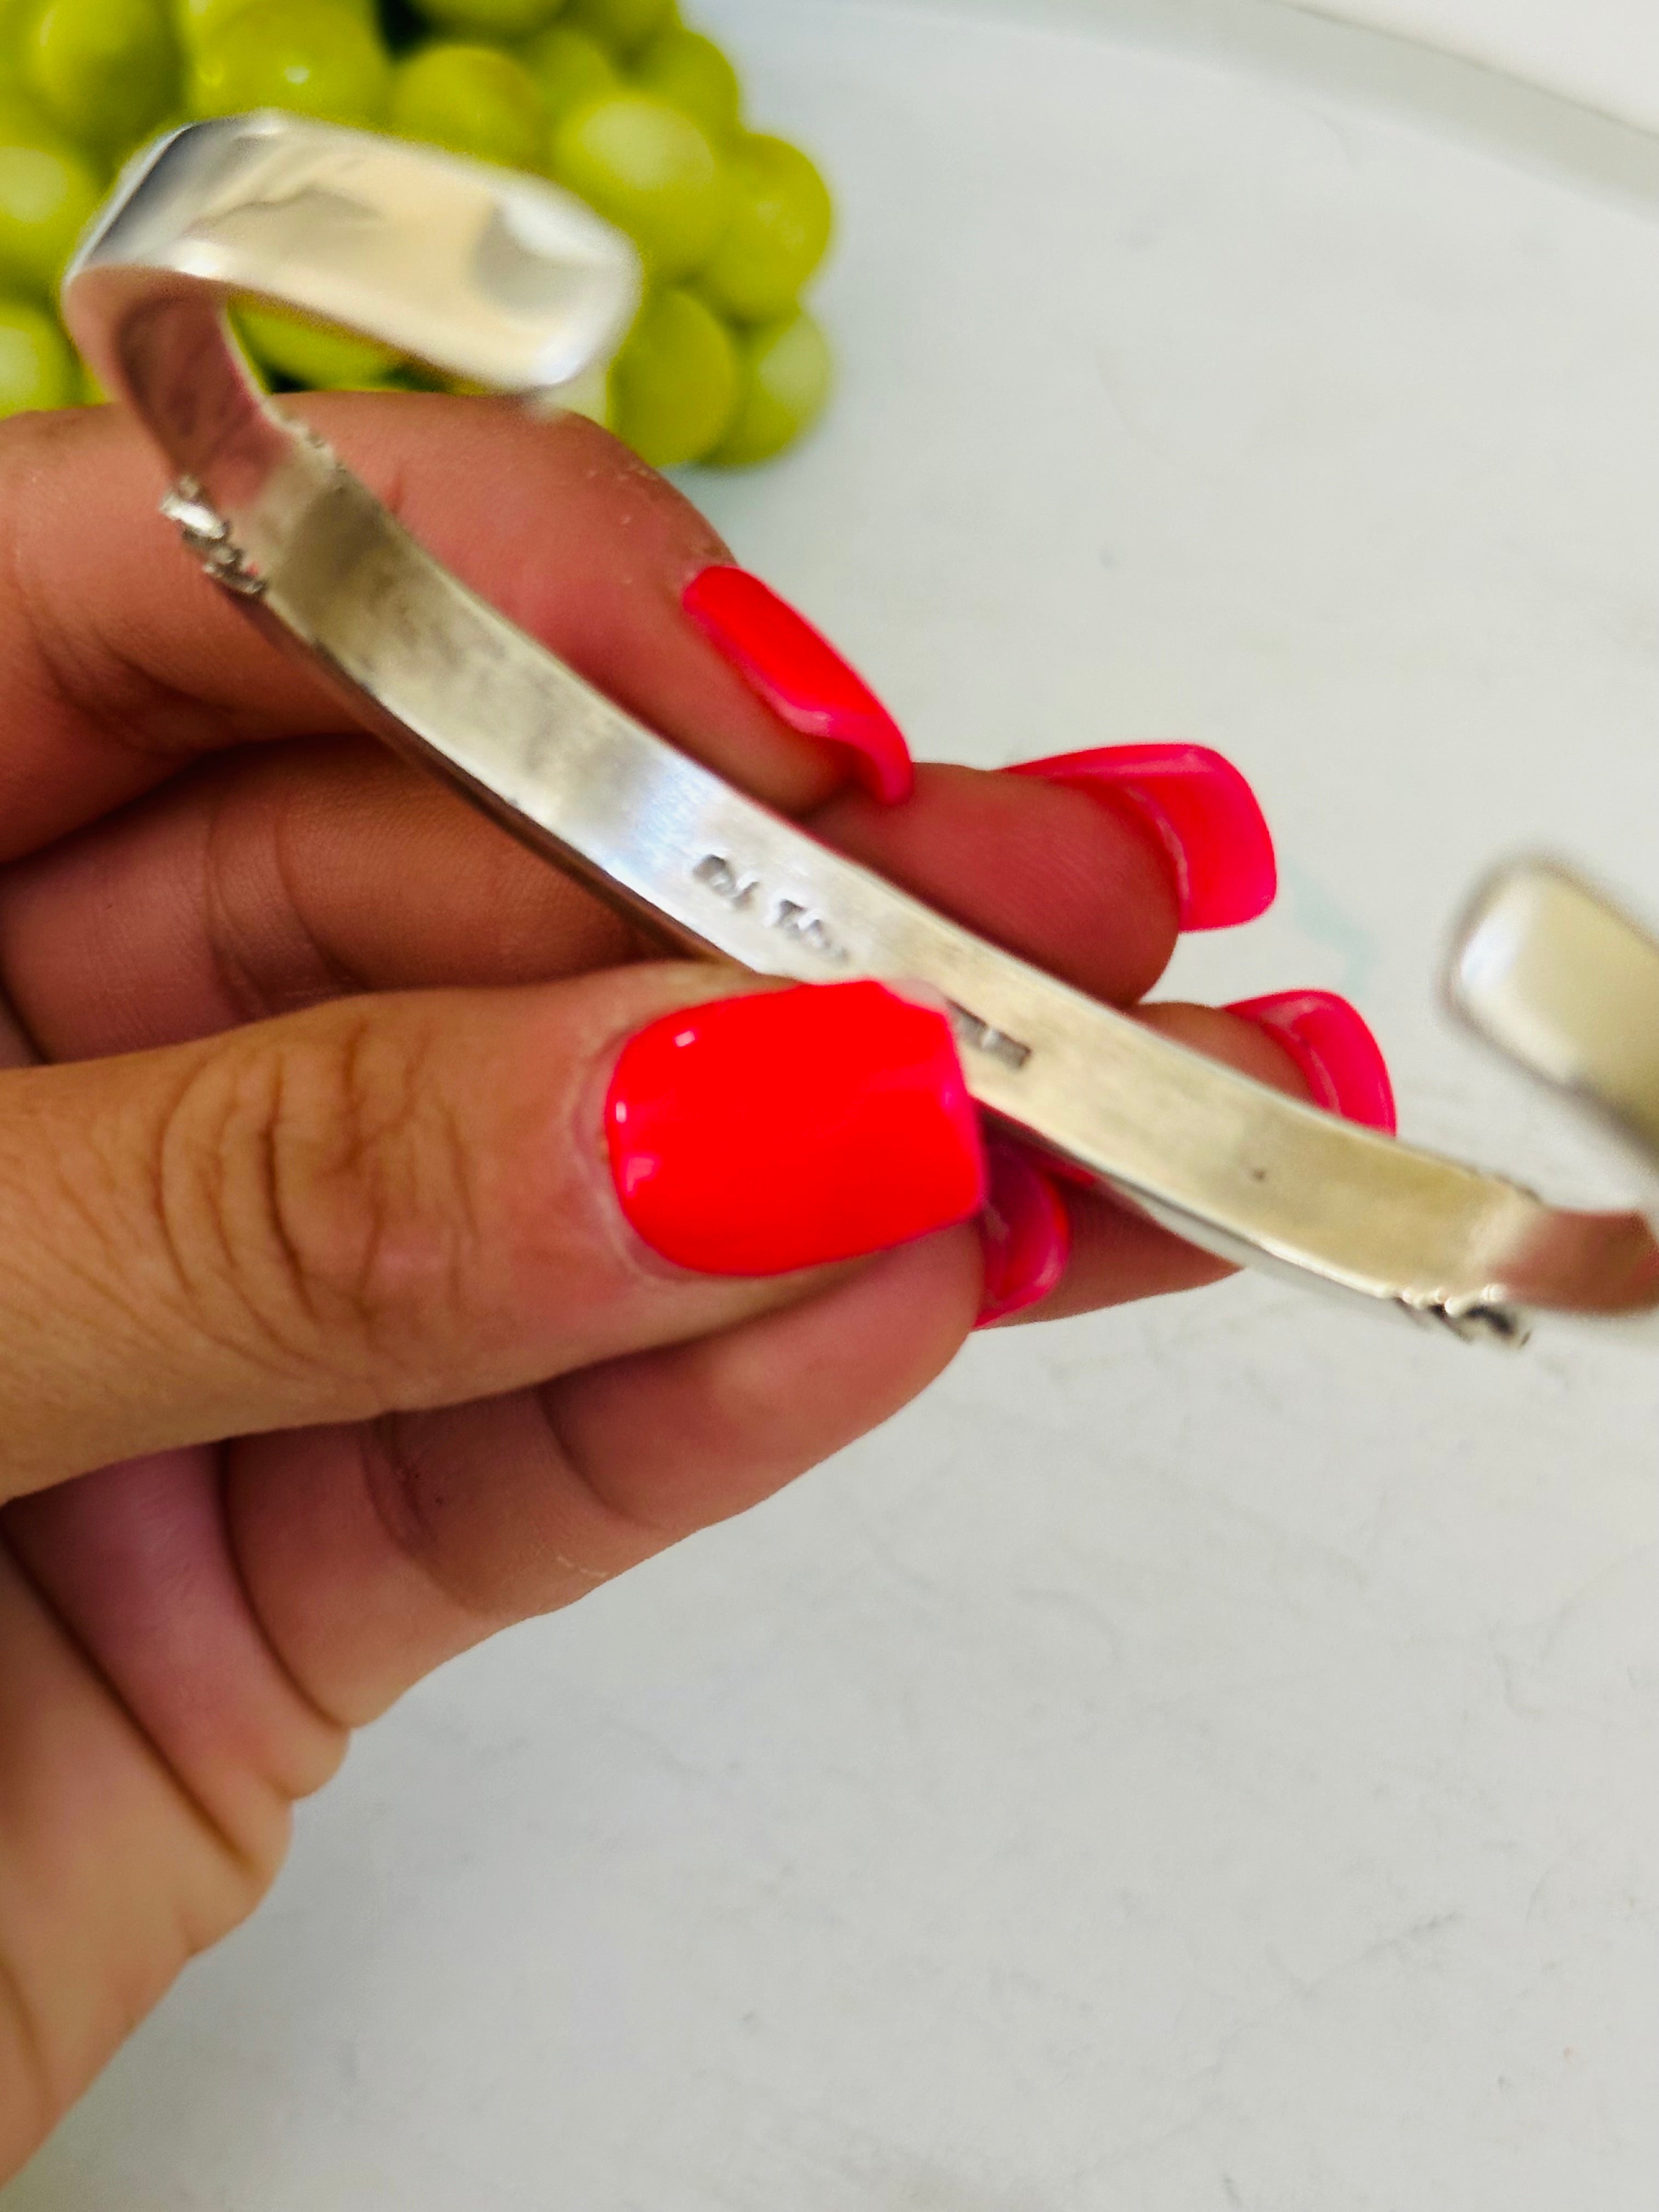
pixel 1203 1757
pixel 1604 52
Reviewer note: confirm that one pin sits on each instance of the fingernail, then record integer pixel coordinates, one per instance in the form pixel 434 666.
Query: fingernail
pixel 1202 812
pixel 758 1135
pixel 1339 1059
pixel 800 676
pixel 1025 1230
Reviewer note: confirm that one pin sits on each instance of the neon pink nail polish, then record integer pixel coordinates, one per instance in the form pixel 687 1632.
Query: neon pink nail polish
pixel 1025 1230
pixel 800 676
pixel 1339 1059
pixel 786 1129
pixel 1201 811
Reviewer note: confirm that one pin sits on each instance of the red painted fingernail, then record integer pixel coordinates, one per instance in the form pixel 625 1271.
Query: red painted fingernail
pixel 1339 1061
pixel 753 1136
pixel 800 676
pixel 1025 1230
pixel 1201 811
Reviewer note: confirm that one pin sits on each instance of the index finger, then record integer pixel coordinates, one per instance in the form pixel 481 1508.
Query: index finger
pixel 119 663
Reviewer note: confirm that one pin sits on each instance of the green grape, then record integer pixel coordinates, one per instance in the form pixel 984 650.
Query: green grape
pixel 684 67
pixel 490 19
pixel 16 19
pixel 88 390
pixel 777 234
pixel 37 369
pixel 393 383
pixel 313 56
pixel 174 119
pixel 19 113
pixel 569 68
pixel 652 171
pixel 786 372
pixel 315 354
pixel 623 25
pixel 48 195
pixel 11 59
pixel 102 69
pixel 674 385
pixel 196 20
pixel 473 100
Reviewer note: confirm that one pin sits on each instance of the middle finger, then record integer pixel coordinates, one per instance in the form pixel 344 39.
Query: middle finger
pixel 281 876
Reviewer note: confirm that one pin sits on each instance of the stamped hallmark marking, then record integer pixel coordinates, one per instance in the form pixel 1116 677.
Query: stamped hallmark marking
pixel 735 890
pixel 996 1044
pixel 744 892
pixel 807 928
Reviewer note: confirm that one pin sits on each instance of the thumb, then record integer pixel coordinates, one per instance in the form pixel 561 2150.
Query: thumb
pixel 391 1203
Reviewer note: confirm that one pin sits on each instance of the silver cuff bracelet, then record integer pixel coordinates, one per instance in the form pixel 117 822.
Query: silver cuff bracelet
pixel 513 284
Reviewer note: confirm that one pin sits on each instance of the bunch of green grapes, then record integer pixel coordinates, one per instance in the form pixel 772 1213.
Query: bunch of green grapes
pixel 618 100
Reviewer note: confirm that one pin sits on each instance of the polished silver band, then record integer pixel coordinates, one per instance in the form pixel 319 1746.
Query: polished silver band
pixel 515 285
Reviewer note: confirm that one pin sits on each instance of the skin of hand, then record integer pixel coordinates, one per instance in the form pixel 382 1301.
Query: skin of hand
pixel 325 1350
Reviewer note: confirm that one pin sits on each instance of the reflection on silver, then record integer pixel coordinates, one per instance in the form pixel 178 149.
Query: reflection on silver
pixel 207 535
pixel 513 284
pixel 1566 985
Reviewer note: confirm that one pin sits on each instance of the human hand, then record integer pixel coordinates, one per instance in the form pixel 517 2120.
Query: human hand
pixel 311 1245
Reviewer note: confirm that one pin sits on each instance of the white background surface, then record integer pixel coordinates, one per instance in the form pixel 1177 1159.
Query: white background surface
pixel 1203 1757
pixel 1605 51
